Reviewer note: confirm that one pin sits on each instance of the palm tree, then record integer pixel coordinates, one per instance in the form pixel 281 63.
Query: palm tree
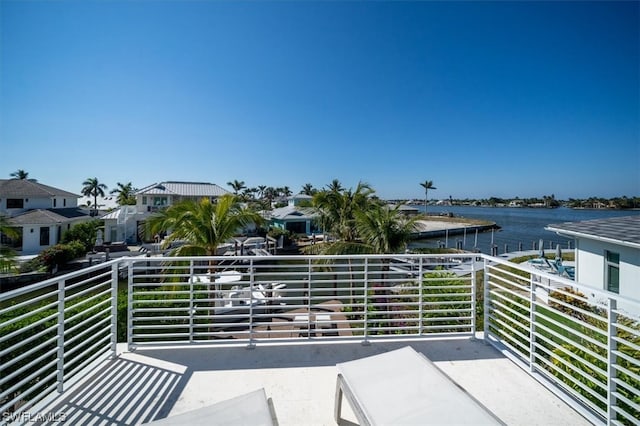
pixel 19 174
pixel 126 194
pixel 337 211
pixel 237 186
pixel 93 188
pixel 384 230
pixel 427 185
pixel 335 186
pixel 261 189
pixel 7 255
pixel 202 225
pixel 308 189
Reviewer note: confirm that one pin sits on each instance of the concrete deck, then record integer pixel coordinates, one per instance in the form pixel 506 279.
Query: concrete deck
pixel 300 380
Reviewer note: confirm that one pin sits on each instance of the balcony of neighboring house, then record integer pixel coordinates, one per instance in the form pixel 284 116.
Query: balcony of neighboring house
pixel 137 340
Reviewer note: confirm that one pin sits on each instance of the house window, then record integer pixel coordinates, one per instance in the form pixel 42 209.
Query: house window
pixel 64 202
pixel 15 203
pixel 612 271
pixel 144 201
pixel 44 236
pixel 159 201
pixel 55 203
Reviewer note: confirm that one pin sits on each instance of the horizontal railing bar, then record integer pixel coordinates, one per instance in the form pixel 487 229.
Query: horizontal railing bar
pixel 20 397
pixel 89 280
pixel 28 353
pixel 30 364
pixel 27 340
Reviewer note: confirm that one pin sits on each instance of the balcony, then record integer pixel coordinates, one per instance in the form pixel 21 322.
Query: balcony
pixel 139 339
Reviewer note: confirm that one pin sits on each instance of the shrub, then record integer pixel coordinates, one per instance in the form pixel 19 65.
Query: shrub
pixel 60 254
pixel 85 233
pixel 277 233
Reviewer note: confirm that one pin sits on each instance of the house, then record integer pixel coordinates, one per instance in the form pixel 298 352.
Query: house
pixel 300 220
pixel 127 222
pixel 163 194
pixel 607 253
pixel 299 200
pixel 41 212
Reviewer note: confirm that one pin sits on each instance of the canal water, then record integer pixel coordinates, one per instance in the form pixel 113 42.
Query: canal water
pixel 519 227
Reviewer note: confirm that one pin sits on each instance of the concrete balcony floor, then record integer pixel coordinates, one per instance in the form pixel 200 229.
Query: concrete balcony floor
pixel 149 384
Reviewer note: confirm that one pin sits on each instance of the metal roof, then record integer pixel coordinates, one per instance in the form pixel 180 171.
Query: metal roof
pixel 25 188
pixel 294 213
pixel 618 230
pixel 185 189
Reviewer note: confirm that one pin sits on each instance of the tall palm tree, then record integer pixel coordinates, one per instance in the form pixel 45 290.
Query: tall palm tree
pixel 202 224
pixel 20 174
pixel 93 188
pixel 126 194
pixel 237 186
pixel 427 185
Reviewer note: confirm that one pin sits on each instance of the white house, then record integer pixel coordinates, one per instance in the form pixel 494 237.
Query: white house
pixel 300 220
pixel 127 222
pixel 607 253
pixel 41 212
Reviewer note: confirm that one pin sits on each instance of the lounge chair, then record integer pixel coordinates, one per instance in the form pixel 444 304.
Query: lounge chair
pixel 403 387
pixel 248 409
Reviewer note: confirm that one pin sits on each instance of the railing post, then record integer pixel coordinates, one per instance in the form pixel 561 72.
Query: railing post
pixel 486 299
pixel 60 340
pixel 474 302
pixel 192 310
pixel 114 310
pixel 612 359
pixel 251 344
pixel 365 302
pixel 532 323
pixel 420 296
pixel 130 307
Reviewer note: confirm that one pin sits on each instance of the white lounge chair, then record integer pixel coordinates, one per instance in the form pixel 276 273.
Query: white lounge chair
pixel 248 409
pixel 403 387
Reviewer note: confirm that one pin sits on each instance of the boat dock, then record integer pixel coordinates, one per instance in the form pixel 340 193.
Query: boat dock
pixel 439 228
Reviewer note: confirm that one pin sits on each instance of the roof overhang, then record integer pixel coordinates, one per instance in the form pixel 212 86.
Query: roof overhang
pixel 577 234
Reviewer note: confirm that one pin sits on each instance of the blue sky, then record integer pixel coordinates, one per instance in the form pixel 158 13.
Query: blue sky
pixel 484 98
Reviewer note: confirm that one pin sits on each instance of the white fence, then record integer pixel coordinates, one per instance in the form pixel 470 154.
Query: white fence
pixel 588 354
pixel 52 333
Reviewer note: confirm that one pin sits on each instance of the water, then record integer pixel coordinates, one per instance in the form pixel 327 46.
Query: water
pixel 518 226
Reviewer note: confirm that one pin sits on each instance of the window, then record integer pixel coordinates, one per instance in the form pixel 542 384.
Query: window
pixel 55 203
pixel 44 236
pixel 159 201
pixel 15 203
pixel 64 202
pixel 144 201
pixel 612 271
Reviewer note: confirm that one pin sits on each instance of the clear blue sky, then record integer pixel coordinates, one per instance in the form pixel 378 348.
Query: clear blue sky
pixel 484 98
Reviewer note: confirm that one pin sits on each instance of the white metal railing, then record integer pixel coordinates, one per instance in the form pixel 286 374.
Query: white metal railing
pixel 581 343
pixel 276 298
pixel 52 333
